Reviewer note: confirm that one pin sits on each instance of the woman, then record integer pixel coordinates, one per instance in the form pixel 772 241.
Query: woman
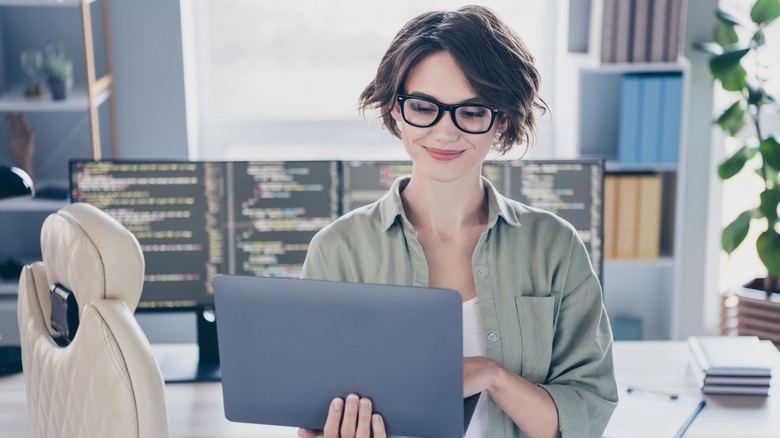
pixel 453 85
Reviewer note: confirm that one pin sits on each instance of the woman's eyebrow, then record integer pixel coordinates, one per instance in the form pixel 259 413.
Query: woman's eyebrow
pixel 470 100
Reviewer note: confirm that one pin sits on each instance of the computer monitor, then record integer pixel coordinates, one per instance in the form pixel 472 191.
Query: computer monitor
pixel 196 219
pixel 572 189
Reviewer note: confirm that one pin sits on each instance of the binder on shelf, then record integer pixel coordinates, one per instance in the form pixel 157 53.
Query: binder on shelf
pixel 627 224
pixel 629 118
pixel 676 21
pixel 641 30
pixel 658 30
pixel 610 215
pixel 671 117
pixel 649 217
pixel 650 125
pixel 623 34
pixel 607 23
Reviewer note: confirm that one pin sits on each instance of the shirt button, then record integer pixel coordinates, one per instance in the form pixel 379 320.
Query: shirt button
pixel 483 274
pixel 492 337
pixel 417 276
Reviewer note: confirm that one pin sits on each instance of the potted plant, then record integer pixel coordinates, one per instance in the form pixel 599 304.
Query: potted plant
pixel 59 72
pixel 736 44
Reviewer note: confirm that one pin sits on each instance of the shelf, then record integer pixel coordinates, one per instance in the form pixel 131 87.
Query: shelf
pixel 13 100
pixel 8 288
pixel 30 204
pixel 637 67
pixel 615 167
pixel 62 3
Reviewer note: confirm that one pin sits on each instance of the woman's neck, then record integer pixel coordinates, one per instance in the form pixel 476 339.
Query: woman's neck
pixel 445 208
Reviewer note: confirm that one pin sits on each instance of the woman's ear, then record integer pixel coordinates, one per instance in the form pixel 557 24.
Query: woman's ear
pixel 503 124
pixel 396 112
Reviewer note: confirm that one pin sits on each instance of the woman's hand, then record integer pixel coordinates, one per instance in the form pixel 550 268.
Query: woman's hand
pixel 355 420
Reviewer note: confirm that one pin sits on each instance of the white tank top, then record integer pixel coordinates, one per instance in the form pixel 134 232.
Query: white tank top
pixel 474 345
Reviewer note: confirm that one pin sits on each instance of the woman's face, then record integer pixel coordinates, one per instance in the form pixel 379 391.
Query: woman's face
pixel 442 151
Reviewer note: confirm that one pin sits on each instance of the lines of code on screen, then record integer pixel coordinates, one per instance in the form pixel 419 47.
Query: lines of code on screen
pixel 194 220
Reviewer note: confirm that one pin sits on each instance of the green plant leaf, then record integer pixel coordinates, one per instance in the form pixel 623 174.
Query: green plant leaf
pixel 732 119
pixel 733 80
pixel 725 34
pixel 750 151
pixel 765 11
pixel 770 152
pixel 709 47
pixel 770 199
pixel 756 93
pixel 768 247
pixel 736 231
pixel 733 164
pixel 759 39
pixel 727 61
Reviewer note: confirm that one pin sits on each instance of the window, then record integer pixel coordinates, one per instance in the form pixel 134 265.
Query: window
pixel 267 74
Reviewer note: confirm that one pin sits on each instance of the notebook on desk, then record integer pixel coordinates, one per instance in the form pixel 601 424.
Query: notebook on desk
pixel 287 347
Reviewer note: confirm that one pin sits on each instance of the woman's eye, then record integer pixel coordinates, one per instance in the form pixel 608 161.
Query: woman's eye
pixel 474 113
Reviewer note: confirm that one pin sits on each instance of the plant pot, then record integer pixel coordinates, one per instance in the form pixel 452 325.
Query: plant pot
pixel 60 89
pixel 758 313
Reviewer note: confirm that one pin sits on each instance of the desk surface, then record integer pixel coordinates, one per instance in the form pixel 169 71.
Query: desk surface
pixel 195 409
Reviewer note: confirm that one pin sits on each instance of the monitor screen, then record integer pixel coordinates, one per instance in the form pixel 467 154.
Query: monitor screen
pixel 194 220
pixel 572 189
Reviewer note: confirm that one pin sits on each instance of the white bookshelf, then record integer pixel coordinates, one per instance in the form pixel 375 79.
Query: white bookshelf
pixel 661 292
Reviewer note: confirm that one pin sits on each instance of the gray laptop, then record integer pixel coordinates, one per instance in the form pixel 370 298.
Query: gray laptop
pixel 288 346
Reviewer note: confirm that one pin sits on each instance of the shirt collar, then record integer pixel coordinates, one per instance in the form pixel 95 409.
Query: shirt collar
pixel 390 205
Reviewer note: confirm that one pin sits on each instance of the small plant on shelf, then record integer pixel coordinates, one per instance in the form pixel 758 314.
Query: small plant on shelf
pixel 59 71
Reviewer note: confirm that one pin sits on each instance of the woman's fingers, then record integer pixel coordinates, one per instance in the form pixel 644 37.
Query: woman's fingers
pixel 349 421
pixel 378 425
pixel 331 428
pixel 364 419
pixel 308 433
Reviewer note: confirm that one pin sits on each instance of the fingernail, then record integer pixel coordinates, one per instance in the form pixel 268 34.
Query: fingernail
pixel 376 418
pixel 337 403
pixel 365 404
pixel 352 400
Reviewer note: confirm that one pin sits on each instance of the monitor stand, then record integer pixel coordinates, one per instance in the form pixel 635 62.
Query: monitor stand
pixel 189 363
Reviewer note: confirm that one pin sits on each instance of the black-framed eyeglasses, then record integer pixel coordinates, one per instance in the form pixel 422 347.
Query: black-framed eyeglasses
pixel 422 112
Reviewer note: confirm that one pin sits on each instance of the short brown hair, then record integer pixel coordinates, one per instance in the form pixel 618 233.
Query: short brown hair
pixel 494 59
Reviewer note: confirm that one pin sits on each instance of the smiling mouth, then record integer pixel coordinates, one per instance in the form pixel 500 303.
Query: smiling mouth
pixel 442 154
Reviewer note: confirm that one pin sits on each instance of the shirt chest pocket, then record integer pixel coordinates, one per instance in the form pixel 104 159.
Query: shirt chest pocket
pixel 536 316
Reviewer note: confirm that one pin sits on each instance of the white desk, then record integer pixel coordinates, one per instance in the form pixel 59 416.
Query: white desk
pixel 195 409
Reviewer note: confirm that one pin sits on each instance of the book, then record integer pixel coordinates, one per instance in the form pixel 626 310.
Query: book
pixel 630 117
pixel 658 30
pixel 703 380
pixel 649 217
pixel 605 11
pixel 623 34
pixel 735 390
pixel 671 118
pixel 676 22
pixel 650 125
pixel 626 235
pixel 641 30
pixel 730 356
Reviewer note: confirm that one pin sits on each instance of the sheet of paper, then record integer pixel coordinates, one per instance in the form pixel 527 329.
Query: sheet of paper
pixel 643 412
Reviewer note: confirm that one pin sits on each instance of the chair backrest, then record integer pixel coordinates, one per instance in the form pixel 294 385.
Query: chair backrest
pixel 106 381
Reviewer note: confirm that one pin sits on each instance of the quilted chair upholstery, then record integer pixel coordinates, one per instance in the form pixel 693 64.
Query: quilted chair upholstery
pixel 105 383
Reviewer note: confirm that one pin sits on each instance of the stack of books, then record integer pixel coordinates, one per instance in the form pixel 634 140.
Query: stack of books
pixel 731 364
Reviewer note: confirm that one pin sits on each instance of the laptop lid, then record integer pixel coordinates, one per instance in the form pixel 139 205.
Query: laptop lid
pixel 287 347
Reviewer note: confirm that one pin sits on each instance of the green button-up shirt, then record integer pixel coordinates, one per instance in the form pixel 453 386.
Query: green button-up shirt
pixel 540 301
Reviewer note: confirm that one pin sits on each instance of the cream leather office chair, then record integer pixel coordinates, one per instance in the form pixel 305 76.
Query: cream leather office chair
pixel 105 383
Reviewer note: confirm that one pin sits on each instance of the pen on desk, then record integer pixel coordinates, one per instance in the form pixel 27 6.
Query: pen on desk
pixel 687 424
pixel 671 396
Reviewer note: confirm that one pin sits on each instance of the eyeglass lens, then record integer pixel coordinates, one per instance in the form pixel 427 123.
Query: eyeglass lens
pixel 470 119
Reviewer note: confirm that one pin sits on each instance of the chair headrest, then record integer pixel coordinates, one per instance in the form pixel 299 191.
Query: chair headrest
pixel 90 253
